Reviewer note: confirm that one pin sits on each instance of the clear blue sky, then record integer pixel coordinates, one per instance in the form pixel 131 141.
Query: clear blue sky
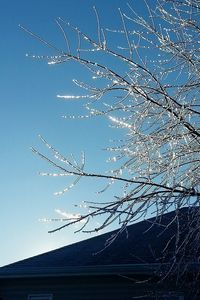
pixel 29 107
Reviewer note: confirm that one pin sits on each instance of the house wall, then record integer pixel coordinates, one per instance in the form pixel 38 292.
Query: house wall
pixel 88 288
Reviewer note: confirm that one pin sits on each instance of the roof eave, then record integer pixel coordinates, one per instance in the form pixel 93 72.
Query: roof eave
pixel 99 270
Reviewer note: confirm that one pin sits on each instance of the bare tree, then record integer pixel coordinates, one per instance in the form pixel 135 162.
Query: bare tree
pixel 152 83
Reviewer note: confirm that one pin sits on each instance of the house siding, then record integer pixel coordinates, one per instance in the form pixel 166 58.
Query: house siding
pixel 86 288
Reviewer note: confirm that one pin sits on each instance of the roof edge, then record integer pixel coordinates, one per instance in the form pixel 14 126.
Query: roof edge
pixel 98 270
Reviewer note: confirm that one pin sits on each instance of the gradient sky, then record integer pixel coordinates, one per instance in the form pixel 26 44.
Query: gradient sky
pixel 29 107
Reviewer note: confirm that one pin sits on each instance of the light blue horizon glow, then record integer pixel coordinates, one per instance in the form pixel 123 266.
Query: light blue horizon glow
pixel 29 107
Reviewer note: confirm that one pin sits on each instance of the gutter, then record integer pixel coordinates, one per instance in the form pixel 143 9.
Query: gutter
pixel 99 270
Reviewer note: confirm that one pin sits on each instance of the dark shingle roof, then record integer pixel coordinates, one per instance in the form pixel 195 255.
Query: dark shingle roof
pixel 144 244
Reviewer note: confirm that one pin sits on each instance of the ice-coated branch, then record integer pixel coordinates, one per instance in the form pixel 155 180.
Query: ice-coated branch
pixel 146 83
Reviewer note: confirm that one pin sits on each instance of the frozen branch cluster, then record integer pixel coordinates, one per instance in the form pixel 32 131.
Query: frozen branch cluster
pixel 150 88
